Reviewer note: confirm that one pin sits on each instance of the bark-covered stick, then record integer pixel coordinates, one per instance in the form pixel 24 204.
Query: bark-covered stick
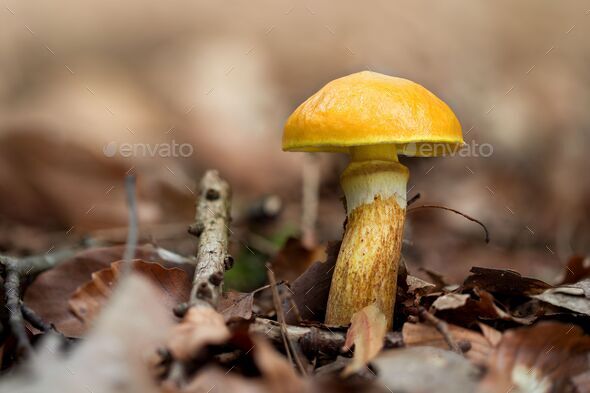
pixel 211 227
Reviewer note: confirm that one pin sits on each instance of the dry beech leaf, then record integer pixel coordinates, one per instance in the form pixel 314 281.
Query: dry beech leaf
pixel 574 297
pixel 236 305
pixel 492 335
pixel 450 301
pixel 425 369
pixel 419 287
pixel 294 258
pixel 484 308
pixel 426 335
pixel 311 289
pixel 173 285
pixel 506 282
pixel 366 333
pixel 546 357
pixel 201 326
pixel 49 294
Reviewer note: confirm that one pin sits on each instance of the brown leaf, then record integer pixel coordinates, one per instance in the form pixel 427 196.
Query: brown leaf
pixel 421 335
pixel 236 305
pixel 483 308
pixel 294 258
pixel 366 332
pixel 450 301
pixel 173 284
pixel 505 282
pixel 49 294
pixel 311 289
pixel 574 297
pixel 419 287
pixel 201 326
pixel 541 358
pixel 492 335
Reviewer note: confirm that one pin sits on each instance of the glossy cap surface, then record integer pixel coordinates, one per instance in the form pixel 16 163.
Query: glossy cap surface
pixel 369 108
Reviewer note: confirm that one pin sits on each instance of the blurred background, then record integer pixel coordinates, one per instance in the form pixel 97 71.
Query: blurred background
pixel 81 83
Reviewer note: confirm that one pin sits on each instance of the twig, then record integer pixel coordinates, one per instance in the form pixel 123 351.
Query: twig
pixel 310 200
pixel 487 234
pixel 290 347
pixel 212 229
pixel 443 329
pixel 413 199
pixel 35 320
pixel 15 319
pixel 15 271
pixel 132 235
pixel 313 340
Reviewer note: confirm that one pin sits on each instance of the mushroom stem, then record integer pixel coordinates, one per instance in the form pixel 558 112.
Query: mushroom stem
pixel 374 184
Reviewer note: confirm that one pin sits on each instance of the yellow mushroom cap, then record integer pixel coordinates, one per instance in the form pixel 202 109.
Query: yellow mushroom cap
pixel 368 108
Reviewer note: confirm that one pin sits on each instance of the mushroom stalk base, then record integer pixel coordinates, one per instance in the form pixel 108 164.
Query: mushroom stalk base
pixel 367 265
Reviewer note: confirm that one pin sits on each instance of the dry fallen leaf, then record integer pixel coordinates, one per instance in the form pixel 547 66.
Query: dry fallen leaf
pixel 574 297
pixel 426 335
pixel 236 305
pixel 294 258
pixel 505 282
pixel 450 301
pixel 49 294
pixel 173 284
pixel 201 326
pixel 366 333
pixel 311 289
pixel 541 358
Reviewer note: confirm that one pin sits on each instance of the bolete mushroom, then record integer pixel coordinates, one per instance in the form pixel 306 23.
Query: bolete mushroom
pixel 374 118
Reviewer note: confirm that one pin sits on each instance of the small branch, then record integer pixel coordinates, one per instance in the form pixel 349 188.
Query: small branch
pixel 211 227
pixel 35 320
pixel 290 348
pixel 487 234
pixel 310 200
pixel 442 328
pixel 313 340
pixel 15 271
pixel 15 320
pixel 413 199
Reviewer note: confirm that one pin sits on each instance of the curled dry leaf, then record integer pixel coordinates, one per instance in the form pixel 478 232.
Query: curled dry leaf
pixel 366 333
pixel 473 310
pixel 173 285
pixel 574 297
pixel 425 335
pixel 49 294
pixel 419 287
pixel 450 301
pixel 201 326
pixel 236 305
pixel 294 258
pixel 506 282
pixel 311 289
pixel 546 357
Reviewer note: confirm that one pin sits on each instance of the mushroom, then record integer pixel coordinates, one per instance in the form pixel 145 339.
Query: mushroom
pixel 374 118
